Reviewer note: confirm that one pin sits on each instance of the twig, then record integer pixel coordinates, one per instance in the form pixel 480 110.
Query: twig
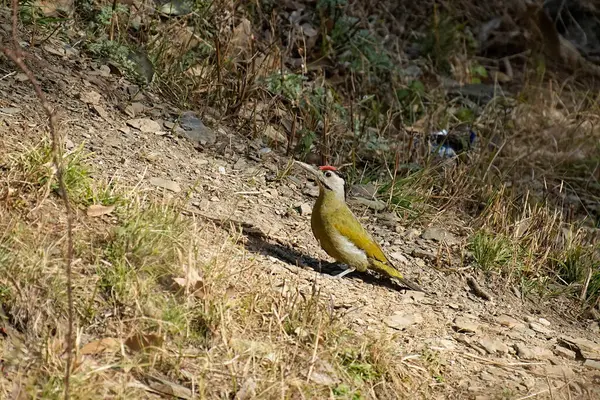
pixel 16 56
pixel 478 290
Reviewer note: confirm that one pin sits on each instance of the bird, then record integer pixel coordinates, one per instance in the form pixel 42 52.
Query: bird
pixel 340 233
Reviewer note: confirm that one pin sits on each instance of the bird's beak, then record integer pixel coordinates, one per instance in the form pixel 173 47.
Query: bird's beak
pixel 313 171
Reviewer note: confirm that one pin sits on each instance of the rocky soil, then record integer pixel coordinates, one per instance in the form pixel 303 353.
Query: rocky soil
pixel 490 342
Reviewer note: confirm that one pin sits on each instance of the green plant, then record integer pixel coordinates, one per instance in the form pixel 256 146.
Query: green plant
pixel 358 366
pixel 491 252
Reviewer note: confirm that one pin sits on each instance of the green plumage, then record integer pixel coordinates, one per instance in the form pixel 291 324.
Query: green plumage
pixel 332 219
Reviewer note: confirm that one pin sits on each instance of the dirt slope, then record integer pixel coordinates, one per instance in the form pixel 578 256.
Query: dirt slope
pixel 474 348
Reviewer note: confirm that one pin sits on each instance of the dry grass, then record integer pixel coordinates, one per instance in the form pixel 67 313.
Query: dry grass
pixel 163 291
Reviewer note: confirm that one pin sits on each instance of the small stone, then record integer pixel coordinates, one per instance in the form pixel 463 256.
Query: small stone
pixel 166 184
pixel 367 191
pixel 544 322
pixel 533 353
pixel 145 125
pixel 304 209
pixel 440 344
pixel 321 378
pixel 564 352
pixel 487 377
pixel 399 256
pixel 439 235
pixel 421 253
pixel 508 321
pixel 594 327
pixel 411 296
pixel 420 262
pixel 221 170
pixel 402 321
pixel 214 199
pixel 376 205
pixel 556 371
pixel 593 364
pixel 493 346
pixel 464 325
pixel 540 329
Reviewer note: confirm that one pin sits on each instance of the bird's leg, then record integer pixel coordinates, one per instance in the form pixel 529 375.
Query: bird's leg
pixel 347 271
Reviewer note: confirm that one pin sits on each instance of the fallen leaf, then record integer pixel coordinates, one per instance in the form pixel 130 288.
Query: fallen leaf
pixel 100 346
pixel 97 210
pixel 139 341
pixel 193 283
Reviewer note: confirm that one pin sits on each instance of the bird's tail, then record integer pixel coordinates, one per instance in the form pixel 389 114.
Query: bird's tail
pixel 389 270
pixel 410 285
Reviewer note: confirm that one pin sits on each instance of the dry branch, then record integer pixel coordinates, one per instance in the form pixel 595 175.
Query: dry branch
pixel 16 55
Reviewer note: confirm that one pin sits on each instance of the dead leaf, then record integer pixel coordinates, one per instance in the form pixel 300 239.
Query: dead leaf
pixel 100 346
pixel 97 210
pixel 138 342
pixel 241 39
pixel 192 284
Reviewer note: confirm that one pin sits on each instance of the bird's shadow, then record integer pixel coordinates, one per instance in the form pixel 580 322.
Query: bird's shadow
pixel 258 243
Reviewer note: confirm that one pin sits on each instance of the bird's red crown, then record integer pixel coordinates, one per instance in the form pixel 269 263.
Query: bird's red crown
pixel 327 168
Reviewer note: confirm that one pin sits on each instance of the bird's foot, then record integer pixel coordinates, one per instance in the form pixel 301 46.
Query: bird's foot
pixel 345 272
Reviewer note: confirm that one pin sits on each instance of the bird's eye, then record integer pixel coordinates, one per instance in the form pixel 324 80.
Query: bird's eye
pixel 328 174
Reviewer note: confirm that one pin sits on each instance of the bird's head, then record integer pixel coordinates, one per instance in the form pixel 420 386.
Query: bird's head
pixel 329 179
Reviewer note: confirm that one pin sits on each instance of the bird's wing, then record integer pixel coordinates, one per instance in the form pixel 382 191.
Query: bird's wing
pixel 349 227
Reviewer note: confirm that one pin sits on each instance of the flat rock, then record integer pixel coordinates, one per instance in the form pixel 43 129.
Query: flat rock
pixel 508 321
pixel 145 125
pixel 304 209
pixel 532 353
pixel 376 205
pixel 544 322
pixel 400 257
pixel 402 321
pixel 492 346
pixel 465 325
pixel 439 235
pixel 592 364
pixel 587 348
pixel 368 191
pixel 540 329
pixel 193 129
pixel 556 371
pixel 564 352
pixel 166 184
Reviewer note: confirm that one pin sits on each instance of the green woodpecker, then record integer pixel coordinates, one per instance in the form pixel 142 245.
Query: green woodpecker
pixel 340 233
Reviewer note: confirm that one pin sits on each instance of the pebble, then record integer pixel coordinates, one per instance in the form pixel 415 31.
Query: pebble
pixel 544 322
pixel 304 209
pixel 464 325
pixel 492 346
pixel 402 321
pixel 564 352
pixel 508 321
pixel 439 235
pixel 532 353
pixel 166 184
pixel 593 364
pixel 540 328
